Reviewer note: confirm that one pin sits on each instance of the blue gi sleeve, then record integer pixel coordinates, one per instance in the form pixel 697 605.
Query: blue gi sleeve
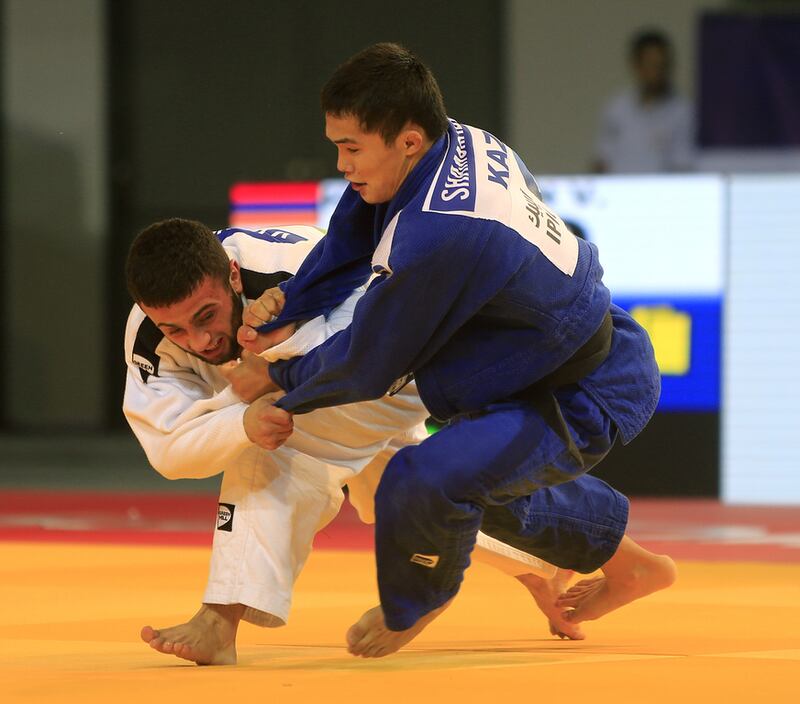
pixel 436 284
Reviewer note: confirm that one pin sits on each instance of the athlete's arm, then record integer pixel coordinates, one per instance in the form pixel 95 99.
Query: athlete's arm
pixel 404 318
pixel 184 427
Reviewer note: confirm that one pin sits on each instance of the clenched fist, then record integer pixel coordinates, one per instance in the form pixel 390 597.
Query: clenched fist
pixel 267 425
pixel 263 310
pixel 256 342
pixel 249 377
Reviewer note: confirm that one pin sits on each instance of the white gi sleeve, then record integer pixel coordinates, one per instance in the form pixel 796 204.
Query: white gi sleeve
pixel 316 331
pixel 186 427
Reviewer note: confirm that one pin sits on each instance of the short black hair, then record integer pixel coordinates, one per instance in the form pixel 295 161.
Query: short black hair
pixel 385 86
pixel 649 38
pixel 169 259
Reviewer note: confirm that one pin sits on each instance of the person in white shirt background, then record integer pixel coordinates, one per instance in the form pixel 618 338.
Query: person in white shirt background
pixel 648 127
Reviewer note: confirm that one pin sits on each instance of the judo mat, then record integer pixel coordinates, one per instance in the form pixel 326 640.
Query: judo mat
pixel 82 573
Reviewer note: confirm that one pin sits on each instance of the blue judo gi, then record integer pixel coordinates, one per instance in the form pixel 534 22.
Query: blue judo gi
pixel 500 314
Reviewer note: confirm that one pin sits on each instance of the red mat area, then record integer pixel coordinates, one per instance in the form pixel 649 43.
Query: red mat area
pixel 704 529
pixel 139 518
pixel 685 529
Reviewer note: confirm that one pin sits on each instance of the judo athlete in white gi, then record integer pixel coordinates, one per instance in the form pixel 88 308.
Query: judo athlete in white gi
pixel 500 315
pixel 274 495
pixel 191 425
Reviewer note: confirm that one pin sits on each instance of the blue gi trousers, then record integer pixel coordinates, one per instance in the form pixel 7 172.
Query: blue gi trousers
pixel 515 471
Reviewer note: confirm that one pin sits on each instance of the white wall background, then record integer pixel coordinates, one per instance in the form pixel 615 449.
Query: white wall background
pixel 760 418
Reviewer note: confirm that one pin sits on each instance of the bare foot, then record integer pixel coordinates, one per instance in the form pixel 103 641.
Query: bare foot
pixel 630 574
pixel 370 638
pixel 546 592
pixel 208 638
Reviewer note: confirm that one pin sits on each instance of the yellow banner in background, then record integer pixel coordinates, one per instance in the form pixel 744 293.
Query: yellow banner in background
pixel 670 332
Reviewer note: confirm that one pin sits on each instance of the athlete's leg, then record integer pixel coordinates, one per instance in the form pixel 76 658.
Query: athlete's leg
pixel 432 498
pixel 271 505
pixel 556 521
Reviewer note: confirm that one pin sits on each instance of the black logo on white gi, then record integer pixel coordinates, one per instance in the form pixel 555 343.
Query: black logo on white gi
pixel 143 363
pixel 225 517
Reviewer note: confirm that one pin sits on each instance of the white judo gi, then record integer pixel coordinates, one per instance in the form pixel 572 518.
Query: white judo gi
pixel 271 504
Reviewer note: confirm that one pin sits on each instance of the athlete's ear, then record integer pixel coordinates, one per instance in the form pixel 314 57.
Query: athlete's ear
pixel 413 140
pixel 236 277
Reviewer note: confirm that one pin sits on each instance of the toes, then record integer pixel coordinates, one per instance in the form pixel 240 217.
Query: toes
pixel 365 645
pixel 147 634
pixel 572 616
pixel 377 651
pixel 356 640
pixel 354 634
pixel 359 644
pixel 575 600
pixel 567 600
pixel 569 594
pixel 586 589
pixel 157 644
pixel 565 632
pixel 588 582
pixel 573 596
pixel 573 632
pixel 364 632
pixel 183 651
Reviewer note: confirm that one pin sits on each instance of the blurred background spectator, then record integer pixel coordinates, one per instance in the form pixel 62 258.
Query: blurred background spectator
pixel 647 128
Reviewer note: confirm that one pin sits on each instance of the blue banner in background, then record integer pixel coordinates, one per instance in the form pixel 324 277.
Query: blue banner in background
pixel 686 334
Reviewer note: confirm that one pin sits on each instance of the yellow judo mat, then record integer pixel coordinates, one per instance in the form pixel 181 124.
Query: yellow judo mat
pixel 70 615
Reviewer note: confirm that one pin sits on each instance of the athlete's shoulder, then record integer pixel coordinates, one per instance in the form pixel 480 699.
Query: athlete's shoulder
pixel 302 235
pixel 268 256
pixel 142 339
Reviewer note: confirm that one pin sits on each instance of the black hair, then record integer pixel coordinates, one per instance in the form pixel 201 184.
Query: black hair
pixel 169 259
pixel 649 38
pixel 385 86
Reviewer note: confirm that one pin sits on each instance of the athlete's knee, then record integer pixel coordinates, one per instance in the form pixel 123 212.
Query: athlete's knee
pixel 410 482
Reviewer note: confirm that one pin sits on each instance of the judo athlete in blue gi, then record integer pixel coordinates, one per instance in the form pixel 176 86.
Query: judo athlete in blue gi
pixel 480 292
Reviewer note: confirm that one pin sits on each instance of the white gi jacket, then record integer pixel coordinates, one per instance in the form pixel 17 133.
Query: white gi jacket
pixel 189 424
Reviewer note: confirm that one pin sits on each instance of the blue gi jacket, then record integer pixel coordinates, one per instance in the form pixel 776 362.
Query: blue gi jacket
pixel 480 292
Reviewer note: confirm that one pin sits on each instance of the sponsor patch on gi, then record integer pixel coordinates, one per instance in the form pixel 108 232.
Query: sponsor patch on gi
pixel 225 517
pixel 453 189
pixel 143 363
pixel 425 560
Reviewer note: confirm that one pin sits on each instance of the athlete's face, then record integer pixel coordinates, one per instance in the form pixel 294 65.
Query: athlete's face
pixel 375 169
pixel 205 323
